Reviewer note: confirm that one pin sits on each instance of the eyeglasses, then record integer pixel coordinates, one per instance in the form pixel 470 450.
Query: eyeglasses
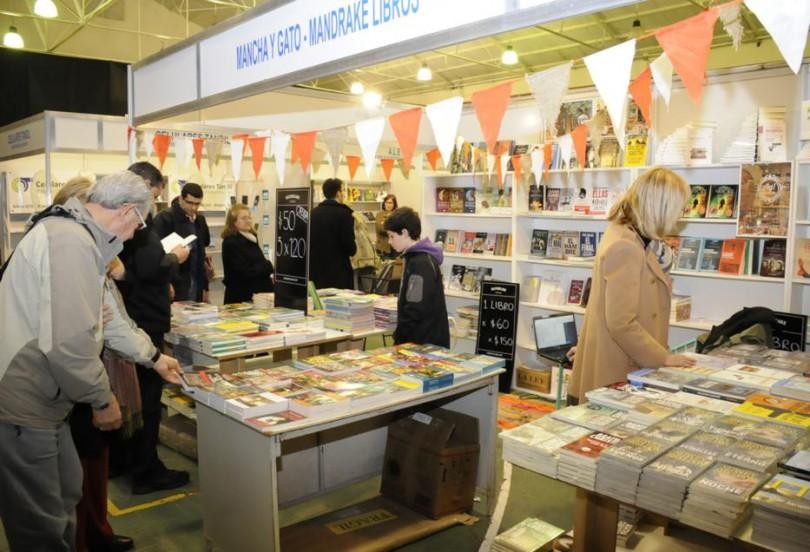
pixel 142 224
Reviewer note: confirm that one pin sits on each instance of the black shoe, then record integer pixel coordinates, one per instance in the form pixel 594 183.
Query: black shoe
pixel 118 543
pixel 168 479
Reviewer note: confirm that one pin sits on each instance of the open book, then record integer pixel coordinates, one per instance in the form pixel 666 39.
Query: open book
pixel 174 239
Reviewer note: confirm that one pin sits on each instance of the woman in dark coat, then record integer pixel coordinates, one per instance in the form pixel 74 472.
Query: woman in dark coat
pixel 247 271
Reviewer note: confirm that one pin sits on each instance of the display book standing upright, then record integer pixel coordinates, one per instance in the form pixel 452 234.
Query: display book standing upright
pixel 714 295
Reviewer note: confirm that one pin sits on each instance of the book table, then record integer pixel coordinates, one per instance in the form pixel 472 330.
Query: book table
pixel 247 476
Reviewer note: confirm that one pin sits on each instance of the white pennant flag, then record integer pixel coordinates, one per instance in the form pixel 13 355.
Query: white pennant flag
pixel 182 152
pixel 786 21
pixel 148 136
pixel 278 145
pixel 444 117
pixel 369 133
pixel 548 88
pixel 490 163
pixel 237 152
pixel 334 138
pixel 661 69
pixel 566 145
pixel 537 164
pixel 610 72
pixel 132 146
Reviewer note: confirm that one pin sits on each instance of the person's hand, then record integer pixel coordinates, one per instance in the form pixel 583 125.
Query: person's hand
pixel 106 314
pixel 572 352
pixel 116 269
pixel 679 360
pixel 171 292
pixel 168 368
pixel 181 252
pixel 108 418
pixel 205 296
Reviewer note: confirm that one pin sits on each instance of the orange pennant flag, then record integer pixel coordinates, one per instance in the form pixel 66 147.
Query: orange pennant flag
pixel 490 106
pixel 641 90
pixel 161 143
pixel 302 145
pixel 257 153
pixel 516 168
pixel 687 45
pixel 198 146
pixel 353 161
pixel 547 157
pixel 405 125
pixel 387 167
pixel 433 158
pixel 580 137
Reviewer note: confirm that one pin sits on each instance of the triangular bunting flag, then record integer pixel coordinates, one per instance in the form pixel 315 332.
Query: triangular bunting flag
pixel 786 21
pixel 610 72
pixel 546 157
pixel 490 107
pixel 687 45
pixel 516 168
pixel 237 154
pixel 278 146
pixel 580 137
pixel 353 161
pixel 566 144
pixel 369 133
pixel 256 144
pixel 641 91
pixel 404 168
pixel 213 147
pixel 661 70
pixel 198 150
pixel 732 23
pixel 387 166
pixel 433 158
pixel 302 144
pixel 548 88
pixel 444 117
pixel 183 152
pixel 537 164
pixel 161 143
pixel 334 139
pixel 405 125
pixel 318 156
pixel 148 137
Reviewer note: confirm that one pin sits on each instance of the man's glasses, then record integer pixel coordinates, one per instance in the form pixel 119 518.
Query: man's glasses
pixel 142 224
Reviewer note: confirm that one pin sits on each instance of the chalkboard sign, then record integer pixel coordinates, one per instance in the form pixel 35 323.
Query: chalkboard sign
pixel 789 332
pixel 292 247
pixel 497 324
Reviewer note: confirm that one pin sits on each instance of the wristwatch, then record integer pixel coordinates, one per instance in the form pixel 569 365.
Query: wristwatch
pixel 156 356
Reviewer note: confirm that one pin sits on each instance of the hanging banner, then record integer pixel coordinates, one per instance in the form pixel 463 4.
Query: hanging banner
pixel 732 23
pixel 537 164
pixel 213 147
pixel 183 152
pixel 433 158
pixel 490 107
pixel 405 125
pixel 198 150
pixel 353 161
pixel 641 91
pixel 387 166
pixel 302 144
pixel 566 145
pixel 786 21
pixel 369 133
pixel 334 139
pixel 548 88
pixel 661 70
pixel 610 72
pixel 278 146
pixel 404 168
pixel 256 144
pixel 687 45
pixel 161 143
pixel 580 138
pixel 317 159
pixel 237 153
pixel 444 117
pixel 516 159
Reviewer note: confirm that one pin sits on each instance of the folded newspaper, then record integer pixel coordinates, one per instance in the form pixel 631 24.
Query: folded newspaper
pixel 174 239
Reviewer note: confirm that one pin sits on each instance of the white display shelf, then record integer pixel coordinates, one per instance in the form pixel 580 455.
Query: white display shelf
pixel 803 222
pixel 694 324
pixel 477 257
pixel 686 220
pixel 470 215
pixel 554 262
pixel 801 282
pixel 722 276
pixel 461 294
pixel 560 215
pixel 575 309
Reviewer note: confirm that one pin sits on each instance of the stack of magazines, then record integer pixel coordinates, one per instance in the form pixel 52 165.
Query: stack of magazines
pixel 530 535
pixel 620 466
pixel 782 513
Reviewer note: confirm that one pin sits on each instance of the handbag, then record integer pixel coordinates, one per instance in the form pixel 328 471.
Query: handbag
pixel 209 267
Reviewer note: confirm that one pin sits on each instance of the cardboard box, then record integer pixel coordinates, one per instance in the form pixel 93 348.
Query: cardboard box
pixel 534 379
pixel 431 462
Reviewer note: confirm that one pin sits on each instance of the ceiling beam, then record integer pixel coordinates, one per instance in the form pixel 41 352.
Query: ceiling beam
pixel 85 19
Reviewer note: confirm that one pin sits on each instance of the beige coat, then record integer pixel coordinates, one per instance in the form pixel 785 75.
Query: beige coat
pixel 382 244
pixel 627 318
pixel 365 256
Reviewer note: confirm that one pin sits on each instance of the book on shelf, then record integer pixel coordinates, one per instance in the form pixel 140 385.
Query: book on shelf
pixel 575 289
pixel 570 243
pixel 461 159
pixel 722 200
pixel 709 258
pixel 566 203
pixel 582 201
pixel 479 242
pixel 530 289
pixel 764 200
pixel 451 244
pixel 552 291
pixel 698 201
pixel 680 308
pixel 467 242
pixel 771 134
pixel 635 151
pixel 442 200
pixel 773 258
pixel 535 198
pixel 586 292
pixel 555 246
pixel 802 269
pixel 552 199
pixel 490 244
pixel 587 244
pixel 609 152
pixel 732 256
pixel 457 200
pixel 530 535
pixel 537 248
pixel 441 239
pixel 468 205
pixel 689 253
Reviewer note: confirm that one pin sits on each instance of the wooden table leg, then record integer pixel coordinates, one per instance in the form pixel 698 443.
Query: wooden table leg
pixel 595 519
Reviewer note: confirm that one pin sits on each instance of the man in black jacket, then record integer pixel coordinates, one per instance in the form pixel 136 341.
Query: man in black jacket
pixel 145 289
pixel 331 239
pixel 182 217
pixel 421 309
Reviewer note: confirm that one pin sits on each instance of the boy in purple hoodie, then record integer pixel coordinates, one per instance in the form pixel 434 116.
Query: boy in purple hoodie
pixel 421 309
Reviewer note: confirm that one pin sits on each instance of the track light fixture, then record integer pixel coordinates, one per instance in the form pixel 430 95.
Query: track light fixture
pixel 12 39
pixel 509 56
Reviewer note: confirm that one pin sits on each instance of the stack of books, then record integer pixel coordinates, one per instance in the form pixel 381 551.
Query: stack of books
pixel 742 149
pixel 614 398
pixel 536 445
pixel 620 466
pixel 669 431
pixel 659 379
pixel 694 417
pixel 718 390
pixel 264 300
pixel 590 415
pixel 352 314
pixel 795 387
pixel 705 403
pixel 762 407
pixel 577 463
pixel 652 411
pixel 753 456
pixel 185 312
pixel 664 482
pixel 530 535
pixel 385 313
pixel 757 377
pixel 717 501
pixel 781 513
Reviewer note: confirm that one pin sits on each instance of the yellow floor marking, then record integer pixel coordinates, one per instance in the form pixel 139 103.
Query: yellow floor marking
pixel 114 511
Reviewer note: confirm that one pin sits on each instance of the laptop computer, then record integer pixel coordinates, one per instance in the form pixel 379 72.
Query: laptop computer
pixel 554 335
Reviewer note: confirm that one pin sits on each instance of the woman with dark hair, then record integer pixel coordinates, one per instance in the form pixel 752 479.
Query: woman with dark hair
pixel 247 271
pixel 382 245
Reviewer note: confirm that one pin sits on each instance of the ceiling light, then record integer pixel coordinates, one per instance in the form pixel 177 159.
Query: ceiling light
pixel 357 88
pixel 372 100
pixel 45 8
pixel 12 39
pixel 424 73
pixel 509 56
pixel 636 23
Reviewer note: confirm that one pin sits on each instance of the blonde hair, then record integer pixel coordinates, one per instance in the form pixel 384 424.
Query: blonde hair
pixel 653 203
pixel 230 220
pixel 78 187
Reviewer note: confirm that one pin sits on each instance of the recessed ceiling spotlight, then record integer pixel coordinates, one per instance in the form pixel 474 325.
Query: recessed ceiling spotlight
pixel 372 99
pixel 424 73
pixel 509 56
pixel 357 88
pixel 12 39
pixel 45 8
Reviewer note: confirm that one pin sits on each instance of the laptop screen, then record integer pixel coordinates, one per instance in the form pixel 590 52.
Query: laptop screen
pixel 555 331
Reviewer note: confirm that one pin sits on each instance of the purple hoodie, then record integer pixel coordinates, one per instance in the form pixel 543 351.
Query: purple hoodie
pixel 426 246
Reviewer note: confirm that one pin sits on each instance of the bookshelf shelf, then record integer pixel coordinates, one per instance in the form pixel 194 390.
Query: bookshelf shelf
pixel 719 276
pixel 575 309
pixel 471 215
pixel 803 222
pixel 696 324
pixel 560 215
pixel 477 257
pixel 802 282
pixel 706 221
pixel 460 294
pixel 554 262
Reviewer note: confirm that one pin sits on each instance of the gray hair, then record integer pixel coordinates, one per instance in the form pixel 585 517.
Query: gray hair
pixel 114 190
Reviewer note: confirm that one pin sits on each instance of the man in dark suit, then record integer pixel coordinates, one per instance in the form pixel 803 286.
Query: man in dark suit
pixel 331 239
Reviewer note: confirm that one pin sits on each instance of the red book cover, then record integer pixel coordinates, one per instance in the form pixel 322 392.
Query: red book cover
pixel 731 256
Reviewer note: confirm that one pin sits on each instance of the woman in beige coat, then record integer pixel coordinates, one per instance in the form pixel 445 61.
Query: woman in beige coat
pixel 627 318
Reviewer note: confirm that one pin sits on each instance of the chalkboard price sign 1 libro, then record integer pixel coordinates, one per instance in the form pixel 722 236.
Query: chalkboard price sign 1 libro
pixel 293 207
pixel 497 324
